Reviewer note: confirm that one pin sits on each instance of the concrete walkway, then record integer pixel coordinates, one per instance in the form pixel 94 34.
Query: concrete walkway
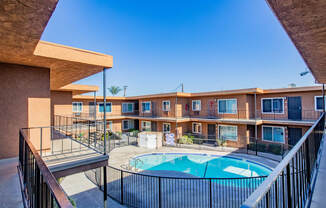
pixel 85 193
pixel 9 184
pixel 318 197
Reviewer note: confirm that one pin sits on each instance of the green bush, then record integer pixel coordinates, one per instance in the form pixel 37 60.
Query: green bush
pixel 275 149
pixel 185 140
pixel 261 147
pixel 221 142
pixel 133 132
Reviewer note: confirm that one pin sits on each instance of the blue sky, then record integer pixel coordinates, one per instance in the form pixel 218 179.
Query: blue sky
pixel 206 45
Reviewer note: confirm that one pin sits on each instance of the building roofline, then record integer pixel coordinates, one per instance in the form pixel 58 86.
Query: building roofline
pixel 78 89
pixel 72 54
pixel 213 93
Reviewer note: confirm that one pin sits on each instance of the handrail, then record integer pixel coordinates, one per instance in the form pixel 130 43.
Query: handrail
pixel 56 190
pixel 254 199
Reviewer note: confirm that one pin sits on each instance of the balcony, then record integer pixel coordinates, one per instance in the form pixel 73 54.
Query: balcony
pixel 292 182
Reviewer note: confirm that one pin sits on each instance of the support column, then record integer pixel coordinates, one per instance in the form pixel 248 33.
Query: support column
pixel 105 192
pixel 104 103
pixel 104 123
pixel 95 106
pixel 176 115
pixel 256 133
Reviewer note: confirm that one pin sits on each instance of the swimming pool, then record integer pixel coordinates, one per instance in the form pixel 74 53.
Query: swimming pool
pixel 200 165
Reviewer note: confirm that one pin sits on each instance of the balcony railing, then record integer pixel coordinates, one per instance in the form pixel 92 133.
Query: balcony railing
pixel 40 188
pixel 292 181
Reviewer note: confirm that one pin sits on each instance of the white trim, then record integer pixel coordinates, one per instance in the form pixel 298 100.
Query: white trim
pixel 262 109
pixel 218 106
pixel 192 106
pixel 262 134
pixel 150 106
pixel 110 123
pixel 218 132
pixel 318 96
pixel 163 105
pixel 127 107
pixel 163 127
pixel 192 127
pixel 77 105
pixel 150 125
pixel 103 105
pixel 123 127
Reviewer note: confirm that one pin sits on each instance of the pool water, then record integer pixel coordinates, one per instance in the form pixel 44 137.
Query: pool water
pixel 200 165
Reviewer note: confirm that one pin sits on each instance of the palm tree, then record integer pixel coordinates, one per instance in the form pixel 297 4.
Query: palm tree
pixel 114 90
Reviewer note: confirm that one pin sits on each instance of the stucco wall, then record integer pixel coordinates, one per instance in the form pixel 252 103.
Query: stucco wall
pixel 24 102
pixel 307 101
pixel 61 103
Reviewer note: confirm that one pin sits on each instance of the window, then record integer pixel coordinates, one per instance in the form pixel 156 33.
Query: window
pixel 319 103
pixel 227 106
pixel 227 132
pixel 146 107
pixel 127 124
pixel 196 105
pixel 127 107
pixel 166 127
pixel 273 134
pixel 110 125
pixel 196 128
pixel 108 107
pixel 166 105
pixel 77 107
pixel 272 105
pixel 146 126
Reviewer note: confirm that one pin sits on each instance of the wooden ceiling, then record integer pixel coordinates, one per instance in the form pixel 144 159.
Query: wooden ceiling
pixel 305 23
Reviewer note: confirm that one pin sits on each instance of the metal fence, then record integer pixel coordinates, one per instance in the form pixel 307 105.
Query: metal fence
pixel 143 190
pixel 292 181
pixel 39 186
pixel 90 133
pixel 250 145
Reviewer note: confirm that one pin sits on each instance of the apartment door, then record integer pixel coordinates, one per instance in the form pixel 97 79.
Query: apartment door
pixel 153 126
pixel 294 135
pixel 92 109
pixel 211 133
pixel 294 108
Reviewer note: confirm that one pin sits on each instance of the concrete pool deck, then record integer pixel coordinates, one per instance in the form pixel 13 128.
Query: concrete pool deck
pixel 120 157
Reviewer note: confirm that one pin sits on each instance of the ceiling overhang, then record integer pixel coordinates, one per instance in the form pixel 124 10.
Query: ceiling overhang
pixel 21 26
pixel 305 23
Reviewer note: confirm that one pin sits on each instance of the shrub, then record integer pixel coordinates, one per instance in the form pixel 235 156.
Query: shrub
pixel 261 147
pixel 275 149
pixel 221 142
pixel 185 140
pixel 133 132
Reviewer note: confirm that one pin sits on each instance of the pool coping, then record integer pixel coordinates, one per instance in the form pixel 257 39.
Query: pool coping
pixel 205 154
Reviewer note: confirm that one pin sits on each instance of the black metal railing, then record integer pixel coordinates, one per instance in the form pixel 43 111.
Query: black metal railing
pixel 292 181
pixel 143 190
pixel 87 133
pixel 241 144
pixel 39 186
pixel 305 115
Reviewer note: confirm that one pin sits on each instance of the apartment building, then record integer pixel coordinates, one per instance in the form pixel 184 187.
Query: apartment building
pixel 278 116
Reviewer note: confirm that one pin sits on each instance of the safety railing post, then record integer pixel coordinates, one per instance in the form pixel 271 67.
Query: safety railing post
pixel 159 193
pixel 41 147
pixel 210 194
pixel 121 181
